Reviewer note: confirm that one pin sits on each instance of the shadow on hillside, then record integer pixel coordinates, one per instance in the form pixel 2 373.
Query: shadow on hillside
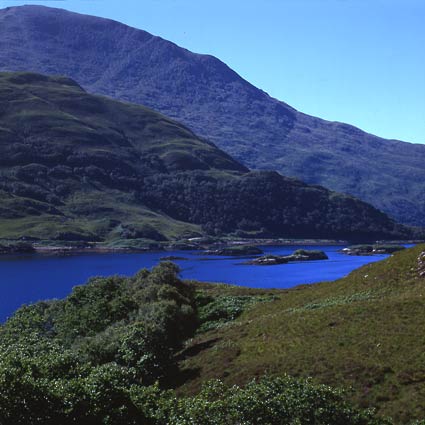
pixel 196 349
pixel 182 376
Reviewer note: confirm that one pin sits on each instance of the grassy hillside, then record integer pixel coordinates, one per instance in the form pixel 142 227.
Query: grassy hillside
pixel 363 332
pixel 78 167
pixel 70 171
pixel 110 58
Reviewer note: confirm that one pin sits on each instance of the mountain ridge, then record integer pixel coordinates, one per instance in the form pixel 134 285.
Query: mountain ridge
pixel 75 166
pixel 200 91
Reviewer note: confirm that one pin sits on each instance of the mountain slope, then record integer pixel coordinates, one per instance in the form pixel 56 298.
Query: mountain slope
pixel 75 166
pixel 364 332
pixel 109 58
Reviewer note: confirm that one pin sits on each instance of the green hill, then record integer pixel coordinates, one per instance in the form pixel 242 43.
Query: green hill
pixel 78 167
pixel 363 332
pixel 70 171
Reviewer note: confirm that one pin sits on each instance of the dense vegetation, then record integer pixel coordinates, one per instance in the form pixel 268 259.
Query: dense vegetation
pixel 109 58
pixel 266 203
pixel 77 167
pixel 108 352
pixel 90 356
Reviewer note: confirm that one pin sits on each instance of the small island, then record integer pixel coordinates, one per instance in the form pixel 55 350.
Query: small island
pixel 298 255
pixel 239 250
pixel 372 249
pixel 172 258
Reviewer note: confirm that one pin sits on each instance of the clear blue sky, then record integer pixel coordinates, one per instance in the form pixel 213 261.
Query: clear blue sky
pixel 356 61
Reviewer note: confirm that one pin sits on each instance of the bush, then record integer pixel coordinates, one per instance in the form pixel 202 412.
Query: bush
pixel 144 348
pixel 270 401
pixel 213 313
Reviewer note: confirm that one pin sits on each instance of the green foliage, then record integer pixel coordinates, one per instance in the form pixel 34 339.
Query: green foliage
pixel 85 357
pixel 91 308
pixel 215 312
pixel 41 383
pixel 109 394
pixel 135 322
pixel 106 397
pixel 280 206
pixel 145 349
pixel 271 402
pixel 33 372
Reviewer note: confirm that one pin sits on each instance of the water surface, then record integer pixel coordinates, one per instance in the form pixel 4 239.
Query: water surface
pixel 29 278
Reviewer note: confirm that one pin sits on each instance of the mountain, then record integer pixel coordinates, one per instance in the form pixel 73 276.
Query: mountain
pixel 112 59
pixel 75 166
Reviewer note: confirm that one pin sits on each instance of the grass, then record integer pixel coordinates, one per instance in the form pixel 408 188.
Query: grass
pixel 88 214
pixel 219 311
pixel 364 332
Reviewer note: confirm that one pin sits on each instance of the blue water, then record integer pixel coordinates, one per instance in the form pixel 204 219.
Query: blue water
pixel 28 278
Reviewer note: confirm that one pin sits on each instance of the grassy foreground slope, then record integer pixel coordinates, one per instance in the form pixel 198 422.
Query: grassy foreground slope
pixel 365 331
pixel 78 167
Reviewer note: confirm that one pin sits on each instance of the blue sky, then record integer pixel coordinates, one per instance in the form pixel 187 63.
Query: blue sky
pixel 356 61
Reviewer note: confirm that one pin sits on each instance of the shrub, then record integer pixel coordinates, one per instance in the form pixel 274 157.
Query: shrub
pixel 270 401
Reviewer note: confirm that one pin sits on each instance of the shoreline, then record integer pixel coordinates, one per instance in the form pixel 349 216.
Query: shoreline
pixel 39 248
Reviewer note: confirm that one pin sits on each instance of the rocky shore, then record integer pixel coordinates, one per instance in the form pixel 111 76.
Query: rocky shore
pixel 372 249
pixel 17 248
pixel 234 251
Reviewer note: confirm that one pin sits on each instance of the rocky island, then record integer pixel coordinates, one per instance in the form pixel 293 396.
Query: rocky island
pixel 298 255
